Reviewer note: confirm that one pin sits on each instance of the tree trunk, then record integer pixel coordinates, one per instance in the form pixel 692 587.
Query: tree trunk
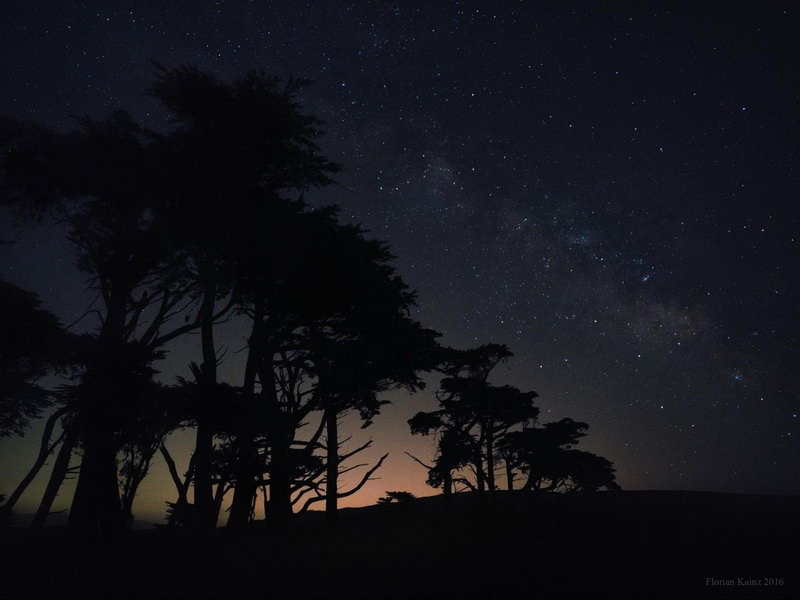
pixel 245 484
pixel 247 459
pixel 479 474
pixel 57 476
pixel 203 493
pixel 44 451
pixel 181 486
pixel 96 507
pixel 127 503
pixel 332 477
pixel 135 477
pixel 448 483
pixel 280 478
pixel 253 506
pixel 181 506
pixel 509 476
pixel 448 486
pixel 530 484
pixel 219 496
pixel 490 459
pixel 204 441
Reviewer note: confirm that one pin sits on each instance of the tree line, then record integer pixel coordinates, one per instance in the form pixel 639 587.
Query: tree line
pixel 178 232
pixel 482 428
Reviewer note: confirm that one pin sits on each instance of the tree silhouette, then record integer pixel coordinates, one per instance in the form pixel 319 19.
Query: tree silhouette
pixel 546 455
pixel 539 445
pixel 124 193
pixel 585 472
pixel 34 345
pixel 161 410
pixel 324 349
pixel 477 422
pixel 46 448
pixel 473 414
pixel 103 181
pixel 237 146
pixel 61 471
pixel 178 512
pixel 396 498
pixel 183 230
pixel 367 348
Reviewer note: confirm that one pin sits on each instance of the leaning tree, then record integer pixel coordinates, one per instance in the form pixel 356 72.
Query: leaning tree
pixel 546 455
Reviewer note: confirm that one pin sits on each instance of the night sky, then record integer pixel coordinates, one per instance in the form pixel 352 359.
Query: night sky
pixel 608 188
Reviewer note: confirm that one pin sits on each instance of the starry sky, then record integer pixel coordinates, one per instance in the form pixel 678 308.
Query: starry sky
pixel 609 188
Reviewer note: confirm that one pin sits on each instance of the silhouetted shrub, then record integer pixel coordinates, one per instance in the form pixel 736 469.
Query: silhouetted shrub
pixel 396 498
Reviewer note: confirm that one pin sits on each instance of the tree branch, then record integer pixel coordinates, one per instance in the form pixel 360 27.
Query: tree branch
pixel 419 461
pixel 363 481
pixel 344 457
pixel 163 339
pixel 173 471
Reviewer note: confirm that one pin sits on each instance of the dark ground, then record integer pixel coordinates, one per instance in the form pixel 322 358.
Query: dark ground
pixel 626 544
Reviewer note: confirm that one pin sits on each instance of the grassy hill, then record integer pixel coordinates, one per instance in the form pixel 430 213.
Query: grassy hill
pixel 625 544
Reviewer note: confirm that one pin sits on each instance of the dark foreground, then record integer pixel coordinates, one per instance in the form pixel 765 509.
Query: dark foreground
pixel 628 544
